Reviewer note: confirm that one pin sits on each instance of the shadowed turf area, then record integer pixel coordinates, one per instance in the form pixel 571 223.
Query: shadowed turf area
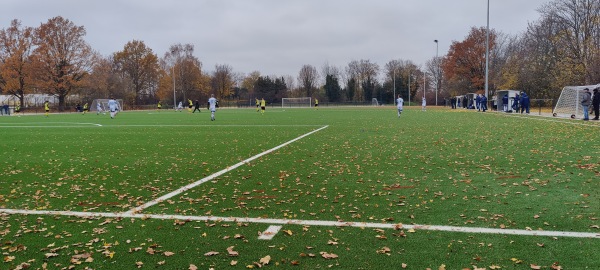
pixel 440 167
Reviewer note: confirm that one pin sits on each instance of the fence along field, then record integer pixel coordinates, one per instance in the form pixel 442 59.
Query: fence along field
pixel 368 167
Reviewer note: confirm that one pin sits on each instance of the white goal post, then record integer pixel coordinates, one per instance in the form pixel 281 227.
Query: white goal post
pixel 104 104
pixel 569 102
pixel 374 102
pixel 302 102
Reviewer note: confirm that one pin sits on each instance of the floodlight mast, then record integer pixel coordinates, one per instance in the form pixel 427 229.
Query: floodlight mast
pixel 487 49
pixel 437 71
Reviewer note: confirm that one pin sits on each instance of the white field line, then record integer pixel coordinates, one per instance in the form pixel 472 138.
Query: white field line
pixel 547 119
pixel 85 125
pixel 309 223
pixel 215 175
pixel 214 126
pixel 66 124
pixel 270 232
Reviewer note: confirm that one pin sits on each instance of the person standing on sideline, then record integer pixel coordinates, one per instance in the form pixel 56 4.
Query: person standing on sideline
pixel 515 104
pixel 263 105
pixel 158 106
pixel 478 102
pixel 596 104
pixel 424 105
pixel 586 101
pixel 505 103
pixel 483 103
pixel 196 106
pixel 400 104
pixel 47 108
pixel 212 106
pixel 113 106
pixel 524 102
pixel 316 104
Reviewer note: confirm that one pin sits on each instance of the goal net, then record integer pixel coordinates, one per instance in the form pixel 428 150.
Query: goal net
pixel 374 102
pixel 104 105
pixel 569 102
pixel 303 102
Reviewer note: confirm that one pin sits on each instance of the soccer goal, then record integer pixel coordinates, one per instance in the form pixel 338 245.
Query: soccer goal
pixel 569 102
pixel 104 105
pixel 374 102
pixel 303 102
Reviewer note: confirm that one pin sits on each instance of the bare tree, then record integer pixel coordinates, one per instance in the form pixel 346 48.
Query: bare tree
pixel 359 72
pixel 307 79
pixel 579 30
pixel 222 80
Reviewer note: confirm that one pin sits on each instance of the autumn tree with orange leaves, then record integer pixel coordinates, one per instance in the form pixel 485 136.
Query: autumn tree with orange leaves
pixel 16 45
pixel 464 66
pixel 139 64
pixel 62 57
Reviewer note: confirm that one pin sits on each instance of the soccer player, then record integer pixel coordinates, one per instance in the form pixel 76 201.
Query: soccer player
pixel 316 104
pixel 179 106
pixel 257 105
pixel 263 104
pixel 113 106
pixel 47 108
pixel 424 105
pixel 98 108
pixel 158 106
pixel 212 106
pixel 86 108
pixel 196 106
pixel 190 104
pixel 400 104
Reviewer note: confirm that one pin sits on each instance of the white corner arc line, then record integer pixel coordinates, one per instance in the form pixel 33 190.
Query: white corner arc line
pixel 480 230
pixel 215 175
pixel 270 232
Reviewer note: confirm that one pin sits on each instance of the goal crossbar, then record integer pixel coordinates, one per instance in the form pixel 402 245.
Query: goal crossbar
pixel 302 102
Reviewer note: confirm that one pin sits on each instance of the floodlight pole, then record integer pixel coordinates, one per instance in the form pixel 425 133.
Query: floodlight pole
pixel 437 71
pixel 409 77
pixel 487 49
pixel 394 98
pixel 174 98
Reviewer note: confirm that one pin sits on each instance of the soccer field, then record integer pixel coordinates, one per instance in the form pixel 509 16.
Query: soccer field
pixel 343 188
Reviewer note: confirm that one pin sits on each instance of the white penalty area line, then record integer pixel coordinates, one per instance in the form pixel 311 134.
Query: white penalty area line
pixel 175 125
pixel 547 119
pixel 215 175
pixel 309 223
pixel 66 124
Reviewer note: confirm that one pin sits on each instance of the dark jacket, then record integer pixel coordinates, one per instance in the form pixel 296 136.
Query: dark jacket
pixel 524 100
pixel 596 100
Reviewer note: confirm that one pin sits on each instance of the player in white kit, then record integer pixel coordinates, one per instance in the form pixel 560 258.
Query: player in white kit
pixel 400 105
pixel 212 106
pixel 113 107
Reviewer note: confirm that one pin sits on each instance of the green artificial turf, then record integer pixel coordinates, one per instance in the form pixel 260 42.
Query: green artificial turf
pixel 440 167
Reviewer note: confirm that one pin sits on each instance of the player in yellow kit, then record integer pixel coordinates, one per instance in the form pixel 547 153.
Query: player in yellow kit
pixel 263 104
pixel 47 108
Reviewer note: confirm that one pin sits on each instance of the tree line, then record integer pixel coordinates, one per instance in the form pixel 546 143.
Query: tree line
pixel 561 48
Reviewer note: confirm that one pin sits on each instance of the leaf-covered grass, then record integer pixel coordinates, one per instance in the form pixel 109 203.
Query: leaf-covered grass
pixel 438 167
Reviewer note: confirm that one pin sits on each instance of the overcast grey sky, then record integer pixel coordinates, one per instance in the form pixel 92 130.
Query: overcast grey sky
pixel 277 37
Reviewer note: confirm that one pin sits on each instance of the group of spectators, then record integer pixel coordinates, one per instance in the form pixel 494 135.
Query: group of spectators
pixel 520 103
pixel 587 100
pixel 4 110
